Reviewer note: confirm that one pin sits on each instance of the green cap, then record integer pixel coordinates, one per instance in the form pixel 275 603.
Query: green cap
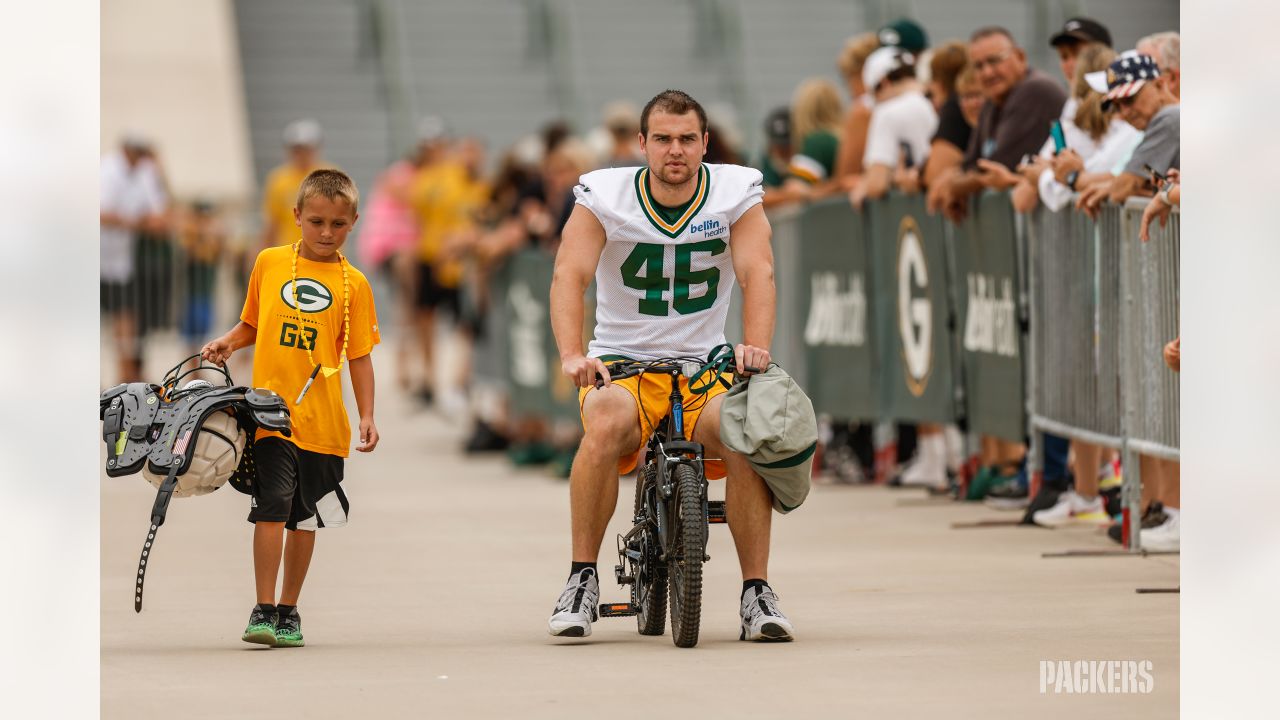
pixel 770 421
pixel 904 33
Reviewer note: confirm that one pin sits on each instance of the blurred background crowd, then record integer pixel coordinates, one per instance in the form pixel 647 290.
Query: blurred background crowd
pixel 1069 114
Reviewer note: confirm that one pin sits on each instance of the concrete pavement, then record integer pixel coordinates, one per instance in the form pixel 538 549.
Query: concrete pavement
pixel 433 603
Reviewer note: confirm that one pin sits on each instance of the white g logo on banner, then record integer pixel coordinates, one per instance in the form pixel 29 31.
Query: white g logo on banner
pixel 915 316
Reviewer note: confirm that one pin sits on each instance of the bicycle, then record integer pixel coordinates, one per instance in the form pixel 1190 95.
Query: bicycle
pixel 661 556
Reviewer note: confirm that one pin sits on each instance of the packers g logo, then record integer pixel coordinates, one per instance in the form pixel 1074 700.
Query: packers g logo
pixel 915 314
pixel 313 297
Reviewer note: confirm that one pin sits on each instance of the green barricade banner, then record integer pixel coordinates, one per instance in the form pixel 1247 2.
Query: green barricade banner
pixel 532 363
pixel 992 344
pixel 912 308
pixel 830 308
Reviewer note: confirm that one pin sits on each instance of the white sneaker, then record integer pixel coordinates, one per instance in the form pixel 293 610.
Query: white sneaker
pixel 929 469
pixel 761 618
pixel 1071 508
pixel 577 607
pixel 1163 537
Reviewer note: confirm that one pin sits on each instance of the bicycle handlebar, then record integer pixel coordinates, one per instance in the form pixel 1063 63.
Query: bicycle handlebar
pixel 630 368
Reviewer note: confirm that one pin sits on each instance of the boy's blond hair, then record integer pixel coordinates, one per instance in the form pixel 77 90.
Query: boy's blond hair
pixel 331 184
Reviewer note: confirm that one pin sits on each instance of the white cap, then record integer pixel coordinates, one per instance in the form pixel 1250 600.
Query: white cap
pixel 302 132
pixel 432 128
pixel 882 62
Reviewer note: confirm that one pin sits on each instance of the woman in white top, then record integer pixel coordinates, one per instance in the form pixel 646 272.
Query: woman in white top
pixel 1096 141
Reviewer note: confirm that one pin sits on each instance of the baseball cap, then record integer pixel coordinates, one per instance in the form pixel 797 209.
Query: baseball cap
pixel 770 421
pixel 133 139
pixel 904 33
pixel 1124 77
pixel 432 128
pixel 778 125
pixel 882 62
pixel 1082 29
pixel 302 132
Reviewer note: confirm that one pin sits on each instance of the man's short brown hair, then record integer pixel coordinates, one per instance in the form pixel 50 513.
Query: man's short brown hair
pixel 331 184
pixel 672 102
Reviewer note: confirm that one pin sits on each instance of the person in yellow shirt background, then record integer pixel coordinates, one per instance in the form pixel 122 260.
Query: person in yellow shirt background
pixel 447 196
pixel 302 139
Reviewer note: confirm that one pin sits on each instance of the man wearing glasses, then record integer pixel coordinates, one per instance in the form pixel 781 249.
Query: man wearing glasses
pixel 1149 106
pixel 1021 102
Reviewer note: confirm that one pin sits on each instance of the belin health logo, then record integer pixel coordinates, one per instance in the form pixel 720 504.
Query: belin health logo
pixel 313 297
pixel 708 228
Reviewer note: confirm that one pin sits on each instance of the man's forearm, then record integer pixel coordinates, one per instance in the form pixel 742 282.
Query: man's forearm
pixel 567 310
pixel 964 184
pixel 759 307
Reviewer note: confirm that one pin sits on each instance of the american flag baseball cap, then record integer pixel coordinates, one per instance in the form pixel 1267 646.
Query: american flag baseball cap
pixel 1124 77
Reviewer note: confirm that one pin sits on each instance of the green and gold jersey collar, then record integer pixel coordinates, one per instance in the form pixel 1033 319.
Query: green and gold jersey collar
pixel 650 206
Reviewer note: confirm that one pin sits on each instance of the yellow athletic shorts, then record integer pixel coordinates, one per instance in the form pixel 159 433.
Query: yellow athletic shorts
pixel 654 389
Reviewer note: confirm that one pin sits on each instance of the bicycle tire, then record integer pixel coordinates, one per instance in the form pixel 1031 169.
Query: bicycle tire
pixel 651 585
pixel 684 562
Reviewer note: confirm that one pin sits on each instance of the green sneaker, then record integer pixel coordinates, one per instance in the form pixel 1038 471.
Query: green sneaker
pixel 289 630
pixel 262 625
pixel 981 483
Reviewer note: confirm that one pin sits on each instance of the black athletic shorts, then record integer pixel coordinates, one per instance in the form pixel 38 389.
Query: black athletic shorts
pixel 116 297
pixel 431 294
pixel 297 487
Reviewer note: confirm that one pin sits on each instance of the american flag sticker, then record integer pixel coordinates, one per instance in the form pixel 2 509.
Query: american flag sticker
pixel 181 446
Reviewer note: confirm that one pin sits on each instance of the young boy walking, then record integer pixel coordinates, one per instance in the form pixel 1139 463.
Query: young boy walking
pixel 308 311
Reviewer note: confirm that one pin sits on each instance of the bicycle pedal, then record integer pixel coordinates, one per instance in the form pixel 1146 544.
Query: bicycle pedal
pixel 715 511
pixel 618 610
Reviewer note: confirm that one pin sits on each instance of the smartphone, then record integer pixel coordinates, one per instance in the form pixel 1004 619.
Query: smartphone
pixel 1059 139
pixel 908 157
pixel 1157 178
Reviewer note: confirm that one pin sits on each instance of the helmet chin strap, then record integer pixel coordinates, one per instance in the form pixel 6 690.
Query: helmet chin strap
pixel 158 511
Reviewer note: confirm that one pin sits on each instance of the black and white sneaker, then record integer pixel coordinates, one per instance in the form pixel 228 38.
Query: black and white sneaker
pixel 577 607
pixel 761 618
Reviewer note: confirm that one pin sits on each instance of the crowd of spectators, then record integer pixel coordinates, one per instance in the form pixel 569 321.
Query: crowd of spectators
pixel 946 122
pixel 970 116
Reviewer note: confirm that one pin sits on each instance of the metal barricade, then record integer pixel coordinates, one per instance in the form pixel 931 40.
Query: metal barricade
pixel 1074 279
pixel 1149 320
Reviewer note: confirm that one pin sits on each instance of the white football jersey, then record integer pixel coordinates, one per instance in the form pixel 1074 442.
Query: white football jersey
pixel 662 288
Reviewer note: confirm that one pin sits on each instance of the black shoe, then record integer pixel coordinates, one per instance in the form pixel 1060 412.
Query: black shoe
pixel 484 439
pixel 425 396
pixel 1045 499
pixel 1154 517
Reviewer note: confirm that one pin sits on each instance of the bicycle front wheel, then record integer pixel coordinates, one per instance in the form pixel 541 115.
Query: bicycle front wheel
pixel 684 561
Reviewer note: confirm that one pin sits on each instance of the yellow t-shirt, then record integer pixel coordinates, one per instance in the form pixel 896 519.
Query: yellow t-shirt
pixel 445 200
pixel 280 359
pixel 280 197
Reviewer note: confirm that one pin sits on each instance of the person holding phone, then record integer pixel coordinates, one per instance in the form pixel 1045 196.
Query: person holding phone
pixel 1021 102
pixel 902 123
pixel 1092 142
pixel 1149 106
